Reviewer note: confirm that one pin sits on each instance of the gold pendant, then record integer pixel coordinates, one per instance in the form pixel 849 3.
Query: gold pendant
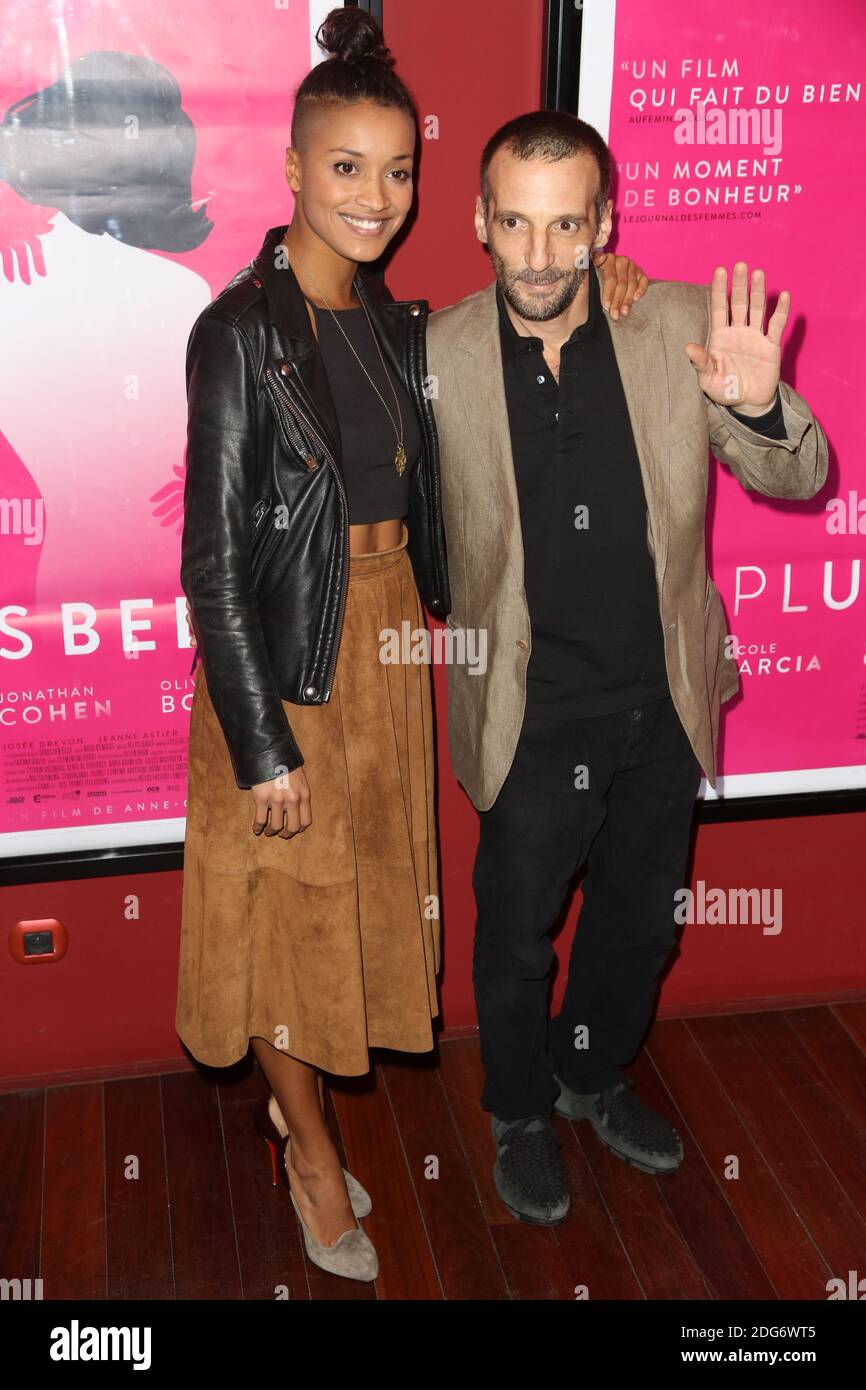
pixel 400 460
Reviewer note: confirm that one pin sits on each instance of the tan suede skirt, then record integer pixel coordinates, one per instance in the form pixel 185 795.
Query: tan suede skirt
pixel 328 943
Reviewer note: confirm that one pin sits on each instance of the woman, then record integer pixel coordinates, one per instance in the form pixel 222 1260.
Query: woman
pixel 312 512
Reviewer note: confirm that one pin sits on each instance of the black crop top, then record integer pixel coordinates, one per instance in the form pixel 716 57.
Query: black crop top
pixel 374 489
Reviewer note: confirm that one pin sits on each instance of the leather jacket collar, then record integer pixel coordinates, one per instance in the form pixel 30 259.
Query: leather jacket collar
pixel 287 307
pixel 287 311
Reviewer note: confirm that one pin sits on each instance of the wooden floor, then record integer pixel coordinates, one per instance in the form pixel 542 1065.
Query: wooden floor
pixel 783 1095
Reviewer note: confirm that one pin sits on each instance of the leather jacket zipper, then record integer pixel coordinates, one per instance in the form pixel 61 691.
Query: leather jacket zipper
pixel 418 327
pixel 282 401
pixel 294 437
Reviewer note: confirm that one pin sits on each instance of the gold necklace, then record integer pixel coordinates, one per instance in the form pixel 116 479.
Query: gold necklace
pixel 400 456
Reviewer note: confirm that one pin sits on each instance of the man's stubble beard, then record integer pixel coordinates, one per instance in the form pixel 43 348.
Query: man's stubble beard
pixel 509 283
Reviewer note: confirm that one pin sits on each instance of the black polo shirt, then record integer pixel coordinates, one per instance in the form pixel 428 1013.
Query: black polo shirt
pixel 597 640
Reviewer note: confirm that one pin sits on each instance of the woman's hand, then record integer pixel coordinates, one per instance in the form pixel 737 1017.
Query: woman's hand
pixel 284 797
pixel 285 800
pixel 623 282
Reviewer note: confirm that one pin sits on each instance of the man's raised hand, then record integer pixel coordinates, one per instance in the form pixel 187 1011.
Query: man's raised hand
pixel 741 365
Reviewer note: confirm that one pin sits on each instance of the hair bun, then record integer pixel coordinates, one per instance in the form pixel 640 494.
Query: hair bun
pixel 352 35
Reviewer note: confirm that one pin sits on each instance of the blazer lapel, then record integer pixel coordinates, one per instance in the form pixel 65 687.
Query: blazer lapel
pixel 482 391
pixel 640 357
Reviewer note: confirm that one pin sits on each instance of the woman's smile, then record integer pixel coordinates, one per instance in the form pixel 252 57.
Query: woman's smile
pixel 366 226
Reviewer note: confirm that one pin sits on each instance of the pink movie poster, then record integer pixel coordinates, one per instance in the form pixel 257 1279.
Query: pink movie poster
pixel 141 162
pixel 737 133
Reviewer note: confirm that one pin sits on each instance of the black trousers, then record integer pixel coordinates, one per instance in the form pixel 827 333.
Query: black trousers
pixel 617 792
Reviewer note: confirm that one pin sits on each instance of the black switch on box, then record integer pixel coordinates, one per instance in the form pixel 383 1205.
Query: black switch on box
pixel 38 943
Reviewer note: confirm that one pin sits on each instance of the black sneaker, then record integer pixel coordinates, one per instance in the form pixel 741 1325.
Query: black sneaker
pixel 529 1173
pixel 630 1128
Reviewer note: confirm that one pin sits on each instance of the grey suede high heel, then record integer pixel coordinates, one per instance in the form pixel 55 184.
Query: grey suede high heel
pixel 353 1256
pixel 271 1125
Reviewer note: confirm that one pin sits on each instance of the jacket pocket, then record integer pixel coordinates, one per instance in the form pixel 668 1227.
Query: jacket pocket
pixel 259 512
pixel 264 542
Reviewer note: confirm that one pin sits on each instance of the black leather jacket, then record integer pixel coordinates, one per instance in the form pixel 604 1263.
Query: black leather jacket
pixel 265 548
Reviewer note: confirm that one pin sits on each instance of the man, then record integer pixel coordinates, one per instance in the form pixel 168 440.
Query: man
pixel 574 455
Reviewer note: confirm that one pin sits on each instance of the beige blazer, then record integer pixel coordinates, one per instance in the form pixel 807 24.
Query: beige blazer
pixel 675 426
